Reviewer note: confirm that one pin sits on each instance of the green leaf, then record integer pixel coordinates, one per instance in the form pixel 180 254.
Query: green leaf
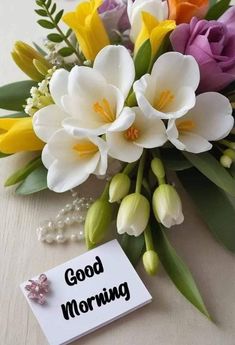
pixel 143 59
pixel 46 24
pixel 53 9
pixel 59 16
pixel 214 206
pixel 13 96
pixel 48 3
pixel 213 170
pixel 132 246
pixel 41 13
pixel 177 270
pixel 14 116
pixel 66 51
pixel 39 49
pixel 174 160
pixel 22 173
pixel 39 3
pixel 212 3
pixel 55 38
pixel 217 9
pixel 35 182
pixel 4 155
pixel 68 33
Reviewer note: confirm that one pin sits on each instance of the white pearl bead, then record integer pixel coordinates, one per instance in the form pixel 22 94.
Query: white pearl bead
pixel 51 226
pixel 60 224
pixel 42 230
pixel 68 220
pixel 73 237
pixel 41 237
pixel 49 238
pixel 60 238
pixel 80 235
pixel 68 207
pixel 62 212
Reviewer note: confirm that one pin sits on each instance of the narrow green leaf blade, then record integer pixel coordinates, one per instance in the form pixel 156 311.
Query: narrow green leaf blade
pixel 177 269
pixel 214 206
pixel 143 59
pixel 217 9
pixel 4 155
pixel 13 96
pixel 35 182
pixel 213 170
pixel 14 116
pixel 174 160
pixel 132 246
pixel 41 13
pixel 22 173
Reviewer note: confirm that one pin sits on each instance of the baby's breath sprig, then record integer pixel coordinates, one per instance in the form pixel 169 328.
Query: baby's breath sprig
pixel 48 10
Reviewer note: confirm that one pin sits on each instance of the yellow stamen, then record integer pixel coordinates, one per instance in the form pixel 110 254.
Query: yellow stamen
pixel 186 125
pixel 85 148
pixel 165 98
pixel 132 133
pixel 104 110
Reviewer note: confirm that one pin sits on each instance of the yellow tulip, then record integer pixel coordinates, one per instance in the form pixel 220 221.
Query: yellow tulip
pixel 17 135
pixel 30 61
pixel 88 27
pixel 153 30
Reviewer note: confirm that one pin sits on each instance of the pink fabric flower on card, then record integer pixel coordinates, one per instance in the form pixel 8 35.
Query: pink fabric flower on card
pixel 38 289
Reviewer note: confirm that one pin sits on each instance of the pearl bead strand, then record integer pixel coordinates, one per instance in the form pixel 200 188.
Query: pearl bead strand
pixel 54 230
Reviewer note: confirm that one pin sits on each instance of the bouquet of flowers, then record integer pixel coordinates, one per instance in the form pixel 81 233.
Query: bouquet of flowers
pixel 139 93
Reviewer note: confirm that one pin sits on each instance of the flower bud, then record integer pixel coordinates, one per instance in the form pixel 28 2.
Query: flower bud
pixel 133 215
pixel 27 59
pixel 98 218
pixel 151 262
pixel 158 168
pixel 226 161
pixel 167 206
pixel 230 153
pixel 119 187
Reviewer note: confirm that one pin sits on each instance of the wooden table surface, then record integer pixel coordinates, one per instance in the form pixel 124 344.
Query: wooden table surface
pixel 169 319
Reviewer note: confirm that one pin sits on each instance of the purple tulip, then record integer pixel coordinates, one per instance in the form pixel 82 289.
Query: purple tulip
pixel 114 15
pixel 212 44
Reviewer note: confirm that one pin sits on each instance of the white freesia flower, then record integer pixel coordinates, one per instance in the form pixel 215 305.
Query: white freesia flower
pixel 169 91
pixel 167 206
pixel 133 215
pixel 157 8
pixel 71 160
pixel 138 132
pixel 96 95
pixel 88 101
pixel 211 119
pixel 48 120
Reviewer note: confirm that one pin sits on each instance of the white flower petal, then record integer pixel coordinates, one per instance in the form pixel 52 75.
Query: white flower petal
pixel 47 121
pixel 157 8
pixel 103 162
pixel 59 85
pixel 174 70
pixel 173 135
pixel 122 149
pixel 47 157
pixel 123 121
pixel 117 67
pixel 194 143
pixel 88 122
pixel 152 131
pixel 212 115
pixel 63 177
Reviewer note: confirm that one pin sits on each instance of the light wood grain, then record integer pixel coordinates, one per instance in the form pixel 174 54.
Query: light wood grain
pixel 169 320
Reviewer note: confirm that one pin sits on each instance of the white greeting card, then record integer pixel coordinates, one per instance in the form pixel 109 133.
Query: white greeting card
pixel 88 292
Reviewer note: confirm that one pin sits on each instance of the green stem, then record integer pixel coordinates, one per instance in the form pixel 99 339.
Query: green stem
pixel 129 167
pixel 105 194
pixel 148 239
pixel 140 173
pixel 227 143
pixel 66 40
